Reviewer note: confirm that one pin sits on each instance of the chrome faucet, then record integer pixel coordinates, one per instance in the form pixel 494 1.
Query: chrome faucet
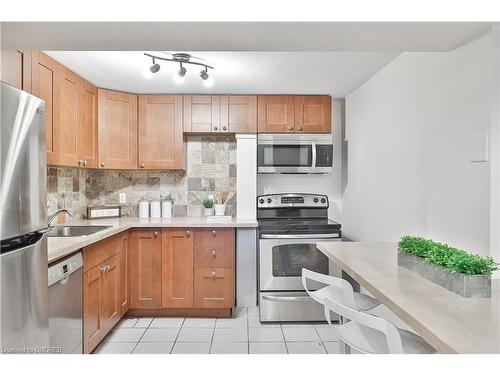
pixel 54 216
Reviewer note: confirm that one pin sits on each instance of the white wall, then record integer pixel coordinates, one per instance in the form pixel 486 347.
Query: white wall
pixel 408 167
pixel 328 183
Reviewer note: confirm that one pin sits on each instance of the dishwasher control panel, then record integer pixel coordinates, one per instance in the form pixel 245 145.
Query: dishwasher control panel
pixel 63 268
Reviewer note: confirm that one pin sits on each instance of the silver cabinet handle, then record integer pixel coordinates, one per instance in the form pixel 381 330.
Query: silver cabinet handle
pixel 214 253
pixel 155 233
pixel 102 164
pixel 103 268
pixel 141 165
pixel 188 233
pixel 224 128
pixel 107 267
pixel 299 128
pixel 214 274
pixel 303 236
pixel 216 128
pixel 85 163
pixel 80 163
pixel 214 233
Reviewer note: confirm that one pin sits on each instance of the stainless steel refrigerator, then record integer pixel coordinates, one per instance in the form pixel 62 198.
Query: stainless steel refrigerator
pixel 23 218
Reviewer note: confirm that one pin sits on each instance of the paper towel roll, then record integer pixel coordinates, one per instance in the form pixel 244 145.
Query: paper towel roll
pixel 143 209
pixel 155 209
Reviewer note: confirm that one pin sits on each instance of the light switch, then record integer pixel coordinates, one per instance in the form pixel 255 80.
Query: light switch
pixel 122 198
pixel 478 147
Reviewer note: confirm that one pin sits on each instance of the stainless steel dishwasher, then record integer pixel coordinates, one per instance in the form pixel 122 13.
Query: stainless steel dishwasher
pixel 65 305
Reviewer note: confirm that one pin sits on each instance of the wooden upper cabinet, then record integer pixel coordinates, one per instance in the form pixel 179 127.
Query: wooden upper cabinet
pixel 45 85
pixel 87 124
pixel 145 268
pixel 201 113
pixel 16 69
pixel 69 84
pixel 313 114
pixel 177 268
pixel 117 130
pixel 238 114
pixel 276 114
pixel 161 144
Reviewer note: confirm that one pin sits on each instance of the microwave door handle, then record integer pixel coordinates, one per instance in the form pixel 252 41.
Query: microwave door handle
pixel 298 236
pixel 313 149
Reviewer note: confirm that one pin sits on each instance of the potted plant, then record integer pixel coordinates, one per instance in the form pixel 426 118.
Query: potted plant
pixel 465 274
pixel 208 204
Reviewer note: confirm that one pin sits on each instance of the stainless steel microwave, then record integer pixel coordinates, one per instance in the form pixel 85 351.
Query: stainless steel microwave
pixel 292 153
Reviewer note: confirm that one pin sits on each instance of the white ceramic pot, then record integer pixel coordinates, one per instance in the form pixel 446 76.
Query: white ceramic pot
pixel 208 211
pixel 155 209
pixel 220 209
pixel 166 209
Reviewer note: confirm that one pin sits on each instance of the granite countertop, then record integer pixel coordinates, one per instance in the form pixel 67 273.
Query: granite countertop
pixel 59 247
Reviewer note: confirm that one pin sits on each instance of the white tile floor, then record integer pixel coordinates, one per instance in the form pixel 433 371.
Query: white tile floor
pixel 242 334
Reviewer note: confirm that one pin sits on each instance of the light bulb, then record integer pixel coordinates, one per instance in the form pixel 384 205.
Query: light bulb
pixel 180 75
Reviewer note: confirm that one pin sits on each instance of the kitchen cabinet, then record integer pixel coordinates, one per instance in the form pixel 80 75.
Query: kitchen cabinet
pixel 117 130
pixel 214 267
pixel 69 87
pixel 294 114
pixel 87 125
pixel 161 141
pixel 238 114
pixel 177 268
pixel 123 292
pixel 145 268
pixel 313 114
pixel 101 289
pixel 16 69
pixel 201 113
pixel 45 85
pixel 276 114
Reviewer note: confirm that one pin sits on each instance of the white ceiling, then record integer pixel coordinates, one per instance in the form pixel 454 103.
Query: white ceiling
pixel 240 36
pixel 333 73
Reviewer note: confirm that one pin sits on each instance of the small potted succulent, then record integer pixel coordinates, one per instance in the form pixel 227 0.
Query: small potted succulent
pixel 208 204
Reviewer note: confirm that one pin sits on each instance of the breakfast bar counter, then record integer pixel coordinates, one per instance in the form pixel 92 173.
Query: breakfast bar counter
pixel 447 321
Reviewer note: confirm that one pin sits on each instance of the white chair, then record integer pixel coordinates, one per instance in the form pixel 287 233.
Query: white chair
pixel 337 289
pixel 370 334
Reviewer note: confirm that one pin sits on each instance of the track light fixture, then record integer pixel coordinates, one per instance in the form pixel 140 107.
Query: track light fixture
pixel 182 58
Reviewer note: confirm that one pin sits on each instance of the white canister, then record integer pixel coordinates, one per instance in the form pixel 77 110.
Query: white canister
pixel 155 209
pixel 166 209
pixel 220 209
pixel 143 209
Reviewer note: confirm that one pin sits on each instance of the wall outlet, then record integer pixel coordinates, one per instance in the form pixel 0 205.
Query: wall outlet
pixel 122 198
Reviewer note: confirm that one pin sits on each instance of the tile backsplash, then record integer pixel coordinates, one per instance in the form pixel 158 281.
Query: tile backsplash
pixel 211 168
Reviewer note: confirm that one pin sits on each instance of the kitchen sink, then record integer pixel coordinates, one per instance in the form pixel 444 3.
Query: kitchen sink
pixel 76 230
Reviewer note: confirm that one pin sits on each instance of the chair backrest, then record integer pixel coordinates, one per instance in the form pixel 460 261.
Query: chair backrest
pixel 343 285
pixel 389 330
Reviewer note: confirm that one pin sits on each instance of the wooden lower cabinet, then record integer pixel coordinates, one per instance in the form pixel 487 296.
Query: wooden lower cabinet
pixel 102 280
pixel 145 268
pixel 214 287
pixel 177 268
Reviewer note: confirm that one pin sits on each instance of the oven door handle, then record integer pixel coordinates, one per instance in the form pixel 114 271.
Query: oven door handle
pixel 287 298
pixel 320 236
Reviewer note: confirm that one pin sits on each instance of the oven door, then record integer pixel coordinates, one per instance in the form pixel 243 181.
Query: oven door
pixel 282 258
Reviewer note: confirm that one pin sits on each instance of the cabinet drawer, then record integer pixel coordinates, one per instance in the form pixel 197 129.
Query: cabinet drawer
pixel 214 237
pixel 99 252
pixel 214 287
pixel 216 255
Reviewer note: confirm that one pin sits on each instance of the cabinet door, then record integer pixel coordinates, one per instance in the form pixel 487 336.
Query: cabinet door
pixel 161 142
pixel 16 69
pixel 87 125
pixel 124 281
pixel 275 114
pixel 238 114
pixel 145 269
pixel 313 114
pixel 201 113
pixel 110 309
pixel 214 287
pixel 68 114
pixel 117 130
pixel 91 309
pixel 177 268
pixel 45 85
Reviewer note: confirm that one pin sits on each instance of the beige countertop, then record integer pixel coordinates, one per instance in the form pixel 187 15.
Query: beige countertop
pixel 449 322
pixel 59 247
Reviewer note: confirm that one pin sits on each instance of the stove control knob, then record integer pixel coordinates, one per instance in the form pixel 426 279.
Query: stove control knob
pixel 261 201
pixel 315 200
pixel 269 200
pixel 323 200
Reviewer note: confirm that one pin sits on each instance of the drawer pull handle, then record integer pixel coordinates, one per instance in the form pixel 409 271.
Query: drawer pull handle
pixel 214 233
pixel 155 233
pixel 214 274
pixel 188 233
pixel 214 253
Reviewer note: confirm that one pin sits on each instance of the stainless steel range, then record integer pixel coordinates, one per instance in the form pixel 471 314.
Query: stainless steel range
pixel 289 227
